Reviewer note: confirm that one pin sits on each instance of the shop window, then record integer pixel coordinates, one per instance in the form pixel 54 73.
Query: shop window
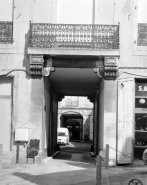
pixel 140 129
pixel 141 102
pixel 6 22
pixel 74 12
pixel 6 10
pixel 142 13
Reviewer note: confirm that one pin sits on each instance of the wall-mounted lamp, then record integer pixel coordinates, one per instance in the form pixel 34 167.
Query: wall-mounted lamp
pixel 142 101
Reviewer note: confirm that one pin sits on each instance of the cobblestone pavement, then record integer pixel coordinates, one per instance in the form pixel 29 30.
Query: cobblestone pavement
pixel 70 169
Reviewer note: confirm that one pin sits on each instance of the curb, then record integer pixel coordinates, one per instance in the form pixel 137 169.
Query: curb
pixel 55 154
pixel 92 154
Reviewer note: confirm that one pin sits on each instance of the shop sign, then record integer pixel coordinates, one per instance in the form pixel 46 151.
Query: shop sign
pixel 141 89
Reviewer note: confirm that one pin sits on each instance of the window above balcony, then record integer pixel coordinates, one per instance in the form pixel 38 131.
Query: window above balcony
pixel 6 23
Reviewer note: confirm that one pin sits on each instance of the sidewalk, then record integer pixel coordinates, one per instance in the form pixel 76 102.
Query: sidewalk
pixel 65 172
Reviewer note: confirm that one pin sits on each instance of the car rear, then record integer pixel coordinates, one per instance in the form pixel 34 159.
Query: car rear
pixel 61 139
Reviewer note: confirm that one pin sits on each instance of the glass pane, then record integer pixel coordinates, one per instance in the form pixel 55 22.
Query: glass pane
pixel 142 13
pixel 74 11
pixel 141 121
pixel 6 8
pixel 140 129
pixel 141 102
pixel 61 134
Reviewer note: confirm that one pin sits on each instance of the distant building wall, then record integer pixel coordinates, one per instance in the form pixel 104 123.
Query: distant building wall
pixel 80 105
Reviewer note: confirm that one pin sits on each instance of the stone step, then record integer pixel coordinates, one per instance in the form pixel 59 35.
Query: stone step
pixel 8 157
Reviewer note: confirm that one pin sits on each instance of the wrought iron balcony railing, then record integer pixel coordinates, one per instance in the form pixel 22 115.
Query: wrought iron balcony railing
pixel 74 36
pixel 142 35
pixel 6 32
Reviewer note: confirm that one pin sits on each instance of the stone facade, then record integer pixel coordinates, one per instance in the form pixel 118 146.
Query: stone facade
pixel 31 102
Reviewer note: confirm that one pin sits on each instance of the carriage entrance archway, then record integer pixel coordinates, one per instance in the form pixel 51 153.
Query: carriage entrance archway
pixel 71 76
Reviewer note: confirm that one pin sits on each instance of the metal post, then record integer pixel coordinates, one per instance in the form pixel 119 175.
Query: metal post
pixel 1 155
pixel 107 156
pixel 17 153
pixel 98 170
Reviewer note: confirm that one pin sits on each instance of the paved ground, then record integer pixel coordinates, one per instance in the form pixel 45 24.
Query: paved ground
pixel 71 167
pixel 76 147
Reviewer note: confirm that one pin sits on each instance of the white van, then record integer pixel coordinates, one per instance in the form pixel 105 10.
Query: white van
pixel 62 136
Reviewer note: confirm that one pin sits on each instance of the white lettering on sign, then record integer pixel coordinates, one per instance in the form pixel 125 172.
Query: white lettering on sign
pixel 142 88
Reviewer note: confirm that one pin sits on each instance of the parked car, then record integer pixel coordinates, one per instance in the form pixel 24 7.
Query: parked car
pixel 62 136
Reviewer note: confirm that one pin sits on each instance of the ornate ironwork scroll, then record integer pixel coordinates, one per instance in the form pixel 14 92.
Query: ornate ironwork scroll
pixel 142 35
pixel 6 32
pixel 74 36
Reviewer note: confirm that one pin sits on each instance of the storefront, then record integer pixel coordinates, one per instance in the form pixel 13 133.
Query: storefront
pixel 140 131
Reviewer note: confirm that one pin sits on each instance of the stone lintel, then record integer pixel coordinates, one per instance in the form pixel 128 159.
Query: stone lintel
pixel 84 52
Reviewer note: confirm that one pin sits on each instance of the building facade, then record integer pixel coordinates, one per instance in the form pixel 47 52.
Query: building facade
pixel 55 48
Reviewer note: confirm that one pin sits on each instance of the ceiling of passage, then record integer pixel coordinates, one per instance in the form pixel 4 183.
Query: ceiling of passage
pixel 75 81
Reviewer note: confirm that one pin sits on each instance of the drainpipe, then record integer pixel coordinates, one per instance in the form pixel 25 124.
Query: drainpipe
pixel 1 155
pixel 93 13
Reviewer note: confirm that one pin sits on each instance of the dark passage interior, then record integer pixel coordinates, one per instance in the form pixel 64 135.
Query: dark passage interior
pixel 72 76
pixel 74 123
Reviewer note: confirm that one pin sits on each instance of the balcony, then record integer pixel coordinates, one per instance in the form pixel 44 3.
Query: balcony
pixel 6 32
pixel 45 38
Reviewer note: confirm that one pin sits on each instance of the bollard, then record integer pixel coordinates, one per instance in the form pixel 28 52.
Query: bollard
pixel 98 170
pixel 107 156
pixel 17 152
pixel 1 155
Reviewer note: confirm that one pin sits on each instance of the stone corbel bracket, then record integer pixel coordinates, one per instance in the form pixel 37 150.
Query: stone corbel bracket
pixel 47 70
pixel 110 68
pixel 36 65
pixel 99 72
